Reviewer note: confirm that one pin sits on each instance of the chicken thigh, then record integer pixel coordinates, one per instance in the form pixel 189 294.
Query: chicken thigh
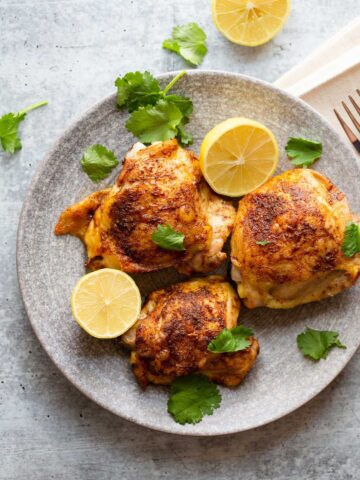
pixel 158 185
pixel 175 328
pixel 286 246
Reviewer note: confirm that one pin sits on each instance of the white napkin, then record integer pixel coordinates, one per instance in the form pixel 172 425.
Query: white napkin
pixel 329 75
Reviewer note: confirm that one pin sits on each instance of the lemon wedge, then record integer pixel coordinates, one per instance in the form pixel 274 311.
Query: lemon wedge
pixel 106 303
pixel 250 23
pixel 237 156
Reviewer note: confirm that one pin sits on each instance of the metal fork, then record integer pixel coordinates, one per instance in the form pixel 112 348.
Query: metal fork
pixel 349 133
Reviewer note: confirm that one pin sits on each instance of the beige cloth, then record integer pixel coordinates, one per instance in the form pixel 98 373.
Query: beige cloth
pixel 329 75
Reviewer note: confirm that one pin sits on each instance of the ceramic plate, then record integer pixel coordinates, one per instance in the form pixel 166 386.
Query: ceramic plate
pixel 282 379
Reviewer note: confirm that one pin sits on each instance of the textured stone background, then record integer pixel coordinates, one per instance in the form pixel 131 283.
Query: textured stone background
pixel 69 52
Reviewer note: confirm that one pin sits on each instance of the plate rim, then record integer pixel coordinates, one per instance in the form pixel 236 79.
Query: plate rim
pixel 40 169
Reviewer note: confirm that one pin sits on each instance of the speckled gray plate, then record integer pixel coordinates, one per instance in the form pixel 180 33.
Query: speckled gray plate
pixel 49 267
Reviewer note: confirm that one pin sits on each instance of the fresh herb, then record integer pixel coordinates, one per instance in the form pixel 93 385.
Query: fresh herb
pixel 155 123
pixel 317 343
pixel 188 41
pixel 231 340
pixel 184 137
pixel 98 162
pixel 9 125
pixel 192 397
pixel 351 243
pixel 155 115
pixel 166 237
pixel 303 152
pixel 136 89
pixel 263 242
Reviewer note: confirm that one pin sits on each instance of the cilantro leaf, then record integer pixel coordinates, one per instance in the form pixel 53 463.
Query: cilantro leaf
pixel 317 343
pixel 351 242
pixel 192 397
pixel 156 116
pixel 263 242
pixel 184 137
pixel 188 41
pixel 9 125
pixel 303 152
pixel 155 122
pixel 137 89
pixel 98 162
pixel 184 104
pixel 166 237
pixel 231 340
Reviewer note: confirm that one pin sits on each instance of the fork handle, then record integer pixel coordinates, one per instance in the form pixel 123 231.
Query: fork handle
pixel 357 145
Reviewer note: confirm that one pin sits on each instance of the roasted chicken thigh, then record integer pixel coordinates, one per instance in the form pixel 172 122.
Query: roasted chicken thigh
pixel 158 185
pixel 286 246
pixel 175 327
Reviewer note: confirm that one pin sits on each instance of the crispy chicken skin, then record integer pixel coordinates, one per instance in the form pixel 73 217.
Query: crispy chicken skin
pixel 303 216
pixel 175 327
pixel 160 184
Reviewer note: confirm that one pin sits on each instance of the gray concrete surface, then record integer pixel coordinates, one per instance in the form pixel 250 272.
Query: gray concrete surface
pixel 69 52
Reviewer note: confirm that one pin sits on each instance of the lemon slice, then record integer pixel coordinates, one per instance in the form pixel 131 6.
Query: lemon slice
pixel 106 303
pixel 250 23
pixel 237 156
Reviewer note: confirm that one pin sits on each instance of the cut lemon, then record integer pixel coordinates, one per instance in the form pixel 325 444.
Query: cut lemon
pixel 106 303
pixel 237 156
pixel 250 23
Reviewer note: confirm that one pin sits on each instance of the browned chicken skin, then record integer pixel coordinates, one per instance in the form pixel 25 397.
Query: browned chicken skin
pixel 160 184
pixel 175 328
pixel 303 216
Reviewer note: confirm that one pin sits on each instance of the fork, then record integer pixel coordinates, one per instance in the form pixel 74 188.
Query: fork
pixel 349 133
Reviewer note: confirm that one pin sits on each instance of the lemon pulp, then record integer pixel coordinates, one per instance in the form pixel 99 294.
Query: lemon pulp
pixel 252 22
pixel 106 303
pixel 237 156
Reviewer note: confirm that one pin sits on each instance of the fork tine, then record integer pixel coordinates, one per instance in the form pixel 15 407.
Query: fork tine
pixel 349 133
pixel 355 105
pixel 353 119
pixel 358 92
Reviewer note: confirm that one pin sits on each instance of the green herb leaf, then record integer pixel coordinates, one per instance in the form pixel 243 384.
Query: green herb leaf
pixel 155 122
pixel 156 116
pixel 351 242
pixel 9 125
pixel 231 340
pixel 136 89
pixel 98 162
pixel 193 397
pixel 184 137
pixel 303 152
pixel 184 104
pixel 188 41
pixel 317 343
pixel 166 237
pixel 263 242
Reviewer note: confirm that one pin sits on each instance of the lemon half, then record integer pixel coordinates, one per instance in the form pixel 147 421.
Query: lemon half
pixel 250 23
pixel 237 156
pixel 106 303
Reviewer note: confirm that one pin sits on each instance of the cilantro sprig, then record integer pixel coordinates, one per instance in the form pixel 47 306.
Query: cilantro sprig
pixel 192 397
pixel 303 152
pixel 232 340
pixel 97 162
pixel 155 114
pixel 136 89
pixel 188 41
pixel 166 237
pixel 351 242
pixel 316 344
pixel 9 126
